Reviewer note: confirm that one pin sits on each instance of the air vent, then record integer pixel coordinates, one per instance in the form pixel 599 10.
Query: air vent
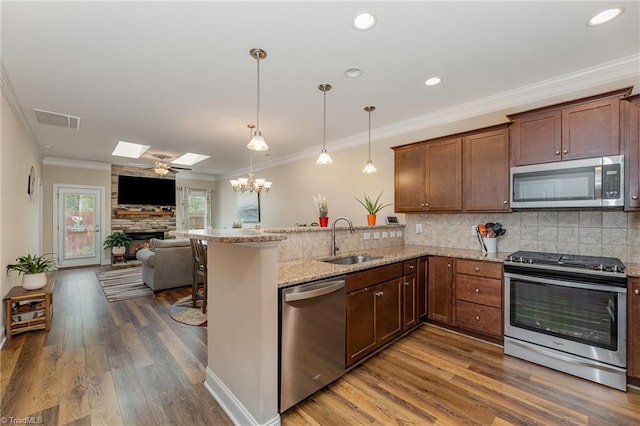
pixel 57 119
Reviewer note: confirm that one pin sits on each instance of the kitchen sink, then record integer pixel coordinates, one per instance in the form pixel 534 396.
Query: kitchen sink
pixel 350 260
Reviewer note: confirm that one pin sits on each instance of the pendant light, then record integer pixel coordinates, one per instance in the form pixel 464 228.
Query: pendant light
pixel 257 142
pixel 324 157
pixel 250 184
pixel 369 167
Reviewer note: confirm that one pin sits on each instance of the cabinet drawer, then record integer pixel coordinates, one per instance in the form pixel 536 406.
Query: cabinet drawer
pixel 369 277
pixel 479 268
pixel 486 291
pixel 410 266
pixel 480 318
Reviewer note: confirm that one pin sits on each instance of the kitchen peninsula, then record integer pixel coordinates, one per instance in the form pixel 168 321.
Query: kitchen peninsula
pixel 242 335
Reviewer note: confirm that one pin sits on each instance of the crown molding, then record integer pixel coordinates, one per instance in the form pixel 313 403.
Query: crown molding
pixel 620 71
pixel 195 176
pixel 14 103
pixel 64 162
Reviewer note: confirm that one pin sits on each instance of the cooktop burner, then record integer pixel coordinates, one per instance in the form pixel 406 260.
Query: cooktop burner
pixel 594 263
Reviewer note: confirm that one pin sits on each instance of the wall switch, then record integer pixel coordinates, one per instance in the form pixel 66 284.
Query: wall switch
pixel 385 234
pixel 376 235
pixel 367 235
pixel 418 228
pixel 473 231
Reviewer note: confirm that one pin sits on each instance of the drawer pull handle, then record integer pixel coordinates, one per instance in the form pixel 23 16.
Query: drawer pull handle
pixel 477 269
pixel 448 265
pixel 505 202
pixel 477 318
pixel 477 290
pixel 634 197
pixel 636 292
pixel 557 152
pixel 379 293
pixel 410 266
pixel 565 151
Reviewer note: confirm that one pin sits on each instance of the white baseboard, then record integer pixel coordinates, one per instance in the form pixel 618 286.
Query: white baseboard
pixel 237 412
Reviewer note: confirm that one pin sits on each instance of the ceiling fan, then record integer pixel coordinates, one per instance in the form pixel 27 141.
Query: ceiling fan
pixel 161 167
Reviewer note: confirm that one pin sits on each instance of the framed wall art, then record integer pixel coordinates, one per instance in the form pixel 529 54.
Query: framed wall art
pixel 248 207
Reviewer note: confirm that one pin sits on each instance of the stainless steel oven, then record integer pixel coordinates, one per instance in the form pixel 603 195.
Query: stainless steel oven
pixel 568 313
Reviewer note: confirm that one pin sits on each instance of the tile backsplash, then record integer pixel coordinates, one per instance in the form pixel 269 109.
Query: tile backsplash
pixel 586 232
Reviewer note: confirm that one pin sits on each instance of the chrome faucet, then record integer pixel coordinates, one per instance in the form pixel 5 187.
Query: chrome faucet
pixel 334 247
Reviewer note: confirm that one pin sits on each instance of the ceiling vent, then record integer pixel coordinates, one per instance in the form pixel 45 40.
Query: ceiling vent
pixel 57 119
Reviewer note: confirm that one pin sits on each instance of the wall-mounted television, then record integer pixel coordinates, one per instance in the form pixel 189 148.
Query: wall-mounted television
pixel 146 191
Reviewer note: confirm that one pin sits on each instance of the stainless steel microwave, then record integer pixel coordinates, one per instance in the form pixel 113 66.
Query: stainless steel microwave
pixel 592 182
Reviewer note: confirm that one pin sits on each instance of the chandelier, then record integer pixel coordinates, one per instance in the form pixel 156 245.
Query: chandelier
pixel 250 184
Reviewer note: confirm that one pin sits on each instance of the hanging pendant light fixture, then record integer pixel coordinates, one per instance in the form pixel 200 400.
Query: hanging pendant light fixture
pixel 250 184
pixel 324 157
pixel 369 167
pixel 257 142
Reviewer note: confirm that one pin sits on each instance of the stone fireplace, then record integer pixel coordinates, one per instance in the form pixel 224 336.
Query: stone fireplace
pixel 140 240
pixel 141 222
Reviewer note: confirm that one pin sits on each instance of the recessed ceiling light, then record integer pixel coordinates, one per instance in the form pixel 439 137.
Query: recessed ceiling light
pixel 189 159
pixel 364 21
pixel 605 16
pixel 129 149
pixel 432 81
pixel 353 72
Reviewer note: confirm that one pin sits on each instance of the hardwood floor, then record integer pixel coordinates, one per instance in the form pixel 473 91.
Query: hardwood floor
pixel 129 363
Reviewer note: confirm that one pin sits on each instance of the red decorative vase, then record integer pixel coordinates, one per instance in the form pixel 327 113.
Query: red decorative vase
pixel 324 221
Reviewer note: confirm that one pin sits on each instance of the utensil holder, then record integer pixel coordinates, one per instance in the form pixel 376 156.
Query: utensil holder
pixel 491 244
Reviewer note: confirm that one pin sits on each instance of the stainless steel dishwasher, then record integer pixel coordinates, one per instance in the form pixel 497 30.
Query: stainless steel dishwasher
pixel 312 338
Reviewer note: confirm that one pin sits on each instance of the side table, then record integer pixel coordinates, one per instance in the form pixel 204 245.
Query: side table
pixel 29 310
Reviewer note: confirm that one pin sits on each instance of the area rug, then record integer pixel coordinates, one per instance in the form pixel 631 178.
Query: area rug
pixel 184 312
pixel 122 284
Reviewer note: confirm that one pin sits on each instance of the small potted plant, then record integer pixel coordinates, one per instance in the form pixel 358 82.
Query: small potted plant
pixel 372 207
pixel 117 242
pixel 323 210
pixel 34 268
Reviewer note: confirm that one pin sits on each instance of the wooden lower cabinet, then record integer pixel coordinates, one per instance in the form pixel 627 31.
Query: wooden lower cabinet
pixel 633 330
pixel 421 302
pixel 410 294
pixel 440 289
pixel 374 317
pixel 478 291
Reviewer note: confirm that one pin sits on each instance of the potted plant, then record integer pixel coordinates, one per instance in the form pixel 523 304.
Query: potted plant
pixel 34 268
pixel 372 207
pixel 322 209
pixel 118 242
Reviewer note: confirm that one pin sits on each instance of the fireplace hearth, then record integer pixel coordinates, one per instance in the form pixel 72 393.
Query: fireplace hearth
pixel 141 240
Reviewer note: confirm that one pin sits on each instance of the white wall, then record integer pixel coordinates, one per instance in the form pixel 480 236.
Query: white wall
pixel 19 214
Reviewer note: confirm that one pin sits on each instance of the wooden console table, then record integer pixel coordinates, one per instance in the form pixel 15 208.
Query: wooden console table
pixel 29 310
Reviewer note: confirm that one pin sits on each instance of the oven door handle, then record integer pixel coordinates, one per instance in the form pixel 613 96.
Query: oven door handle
pixel 572 284
pixel 572 360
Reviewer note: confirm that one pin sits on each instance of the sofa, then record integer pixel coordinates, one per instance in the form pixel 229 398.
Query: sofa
pixel 167 264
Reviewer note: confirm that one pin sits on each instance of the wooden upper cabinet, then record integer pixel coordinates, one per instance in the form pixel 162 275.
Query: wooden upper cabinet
pixel 428 176
pixel 486 170
pixel 536 138
pixel 585 128
pixel 444 175
pixel 410 178
pixel 631 127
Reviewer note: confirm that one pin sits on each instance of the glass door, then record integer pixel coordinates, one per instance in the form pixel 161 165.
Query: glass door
pixel 78 226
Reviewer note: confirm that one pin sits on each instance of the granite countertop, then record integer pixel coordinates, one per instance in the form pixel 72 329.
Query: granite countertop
pixel 232 236
pixel 305 270
pixel 633 269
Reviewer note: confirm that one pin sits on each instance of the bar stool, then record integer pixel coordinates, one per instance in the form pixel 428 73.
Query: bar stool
pixel 199 272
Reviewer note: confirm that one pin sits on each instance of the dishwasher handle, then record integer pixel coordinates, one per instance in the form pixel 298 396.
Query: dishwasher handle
pixel 330 287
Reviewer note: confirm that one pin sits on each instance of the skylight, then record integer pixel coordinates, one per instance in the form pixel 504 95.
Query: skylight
pixel 129 149
pixel 189 159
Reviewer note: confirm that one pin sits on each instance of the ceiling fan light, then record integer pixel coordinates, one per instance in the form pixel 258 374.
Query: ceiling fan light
pixel 161 170
pixel 369 167
pixel 257 142
pixel 324 158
